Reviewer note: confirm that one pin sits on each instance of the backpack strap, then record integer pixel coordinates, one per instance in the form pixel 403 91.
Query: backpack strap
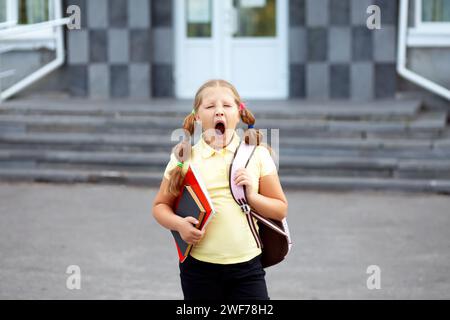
pixel 241 159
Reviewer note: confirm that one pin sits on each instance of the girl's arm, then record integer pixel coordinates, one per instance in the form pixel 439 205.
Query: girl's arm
pixel 163 213
pixel 270 201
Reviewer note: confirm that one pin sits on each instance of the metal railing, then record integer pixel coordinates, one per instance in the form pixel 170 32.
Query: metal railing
pixel 14 31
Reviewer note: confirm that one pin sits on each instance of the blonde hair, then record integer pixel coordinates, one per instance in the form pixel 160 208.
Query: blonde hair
pixel 182 150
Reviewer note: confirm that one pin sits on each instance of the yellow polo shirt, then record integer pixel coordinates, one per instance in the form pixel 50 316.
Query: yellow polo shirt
pixel 228 238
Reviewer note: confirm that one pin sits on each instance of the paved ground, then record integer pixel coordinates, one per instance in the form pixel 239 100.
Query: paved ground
pixel 123 254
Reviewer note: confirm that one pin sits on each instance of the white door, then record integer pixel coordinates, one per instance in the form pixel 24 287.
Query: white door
pixel 242 41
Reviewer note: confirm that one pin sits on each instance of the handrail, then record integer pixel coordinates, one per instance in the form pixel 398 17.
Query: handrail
pixel 57 24
pixel 11 32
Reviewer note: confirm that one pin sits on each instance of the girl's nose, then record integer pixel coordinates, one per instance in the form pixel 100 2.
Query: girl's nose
pixel 219 113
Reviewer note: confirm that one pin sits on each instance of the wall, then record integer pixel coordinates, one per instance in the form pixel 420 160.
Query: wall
pixel 125 49
pixel 334 55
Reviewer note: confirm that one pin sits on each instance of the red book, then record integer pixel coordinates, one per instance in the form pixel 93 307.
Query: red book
pixel 193 201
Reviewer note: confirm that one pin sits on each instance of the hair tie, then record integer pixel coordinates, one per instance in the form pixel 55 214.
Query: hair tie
pixel 193 112
pixel 180 164
pixel 250 126
pixel 241 106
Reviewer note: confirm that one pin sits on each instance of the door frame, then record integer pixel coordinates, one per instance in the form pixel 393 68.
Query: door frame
pixel 221 47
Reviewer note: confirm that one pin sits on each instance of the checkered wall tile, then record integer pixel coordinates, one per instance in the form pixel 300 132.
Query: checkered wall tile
pixel 123 45
pixel 111 56
pixel 340 58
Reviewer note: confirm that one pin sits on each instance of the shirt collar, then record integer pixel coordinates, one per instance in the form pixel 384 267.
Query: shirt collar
pixel 208 151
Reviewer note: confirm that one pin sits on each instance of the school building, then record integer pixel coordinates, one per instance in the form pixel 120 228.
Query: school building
pixel 270 49
pixel 359 89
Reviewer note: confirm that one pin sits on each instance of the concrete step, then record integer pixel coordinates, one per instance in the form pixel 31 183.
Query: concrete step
pixel 425 121
pixel 288 146
pixel 400 154
pixel 153 179
pixel 285 141
pixel 295 166
pixel 72 157
pixel 301 132
pixel 84 139
pixel 393 145
pixel 388 109
pixel 384 184
pixel 150 179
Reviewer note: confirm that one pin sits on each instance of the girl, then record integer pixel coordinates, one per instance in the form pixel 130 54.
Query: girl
pixel 224 262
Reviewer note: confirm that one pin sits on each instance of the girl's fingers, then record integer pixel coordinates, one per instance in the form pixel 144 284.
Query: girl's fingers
pixel 240 178
pixel 240 172
pixel 243 181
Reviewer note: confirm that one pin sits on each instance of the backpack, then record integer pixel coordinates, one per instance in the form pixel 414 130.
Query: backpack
pixel 273 238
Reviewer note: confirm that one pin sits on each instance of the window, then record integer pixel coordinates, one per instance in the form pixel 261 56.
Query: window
pixel 436 11
pixel 2 11
pixel 255 18
pixel 433 15
pixel 198 18
pixel 21 13
pixel 431 25
pixel 33 11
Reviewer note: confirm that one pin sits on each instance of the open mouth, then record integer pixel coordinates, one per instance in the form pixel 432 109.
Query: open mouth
pixel 220 128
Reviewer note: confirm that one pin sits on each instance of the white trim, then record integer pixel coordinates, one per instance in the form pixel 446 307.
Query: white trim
pixel 7 24
pixel 401 56
pixel 283 27
pixel 11 14
pixel 418 13
pixel 428 38
pixel 178 32
pixel 12 10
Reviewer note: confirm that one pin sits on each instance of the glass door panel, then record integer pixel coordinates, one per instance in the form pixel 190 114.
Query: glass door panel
pixel 436 11
pixel 255 18
pixel 199 18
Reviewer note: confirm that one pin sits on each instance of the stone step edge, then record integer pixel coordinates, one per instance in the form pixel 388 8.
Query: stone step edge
pixel 154 179
pixel 409 106
pixel 163 140
pixel 161 159
pixel 429 118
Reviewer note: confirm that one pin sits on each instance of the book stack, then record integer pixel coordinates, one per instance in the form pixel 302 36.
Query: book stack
pixel 193 201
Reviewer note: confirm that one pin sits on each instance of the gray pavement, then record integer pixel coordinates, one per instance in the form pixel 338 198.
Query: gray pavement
pixel 108 231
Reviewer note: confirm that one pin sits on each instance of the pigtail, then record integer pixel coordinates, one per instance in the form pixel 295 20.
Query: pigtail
pixel 252 135
pixel 182 152
pixel 189 124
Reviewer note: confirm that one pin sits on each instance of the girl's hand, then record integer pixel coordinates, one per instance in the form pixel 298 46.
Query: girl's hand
pixel 244 178
pixel 188 232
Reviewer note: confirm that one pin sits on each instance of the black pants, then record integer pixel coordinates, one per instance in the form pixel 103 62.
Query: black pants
pixel 209 281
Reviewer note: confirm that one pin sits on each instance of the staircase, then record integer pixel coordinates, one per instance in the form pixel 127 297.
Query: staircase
pixel 390 145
